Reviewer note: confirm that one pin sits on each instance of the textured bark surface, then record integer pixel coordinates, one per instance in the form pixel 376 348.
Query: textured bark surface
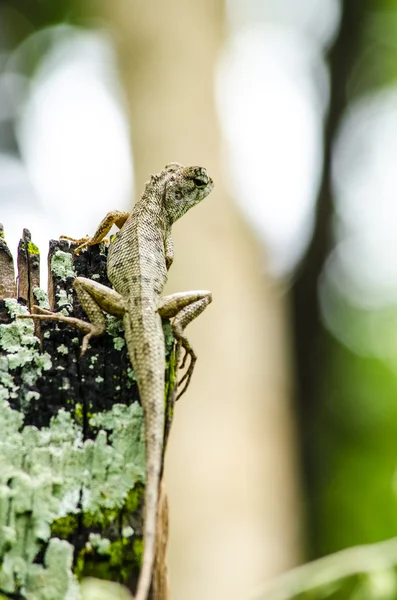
pixel 72 467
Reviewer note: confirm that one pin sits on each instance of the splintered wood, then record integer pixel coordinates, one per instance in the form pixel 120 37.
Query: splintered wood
pixel 8 288
pixel 72 466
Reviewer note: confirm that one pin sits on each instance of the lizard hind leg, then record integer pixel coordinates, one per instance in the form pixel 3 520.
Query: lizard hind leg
pixel 94 299
pixel 184 307
pixel 114 217
pixel 89 329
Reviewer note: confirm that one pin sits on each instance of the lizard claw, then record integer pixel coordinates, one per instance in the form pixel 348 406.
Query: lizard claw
pixel 188 375
pixel 183 363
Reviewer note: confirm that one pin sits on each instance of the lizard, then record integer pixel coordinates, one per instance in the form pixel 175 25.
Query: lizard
pixel 137 265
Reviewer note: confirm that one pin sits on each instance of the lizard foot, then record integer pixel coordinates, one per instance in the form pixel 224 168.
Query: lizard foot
pixel 89 329
pixel 74 240
pixel 84 242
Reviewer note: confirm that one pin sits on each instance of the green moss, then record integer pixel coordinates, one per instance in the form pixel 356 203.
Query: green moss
pixel 122 556
pixel 88 565
pixel 172 378
pixel 78 413
pixel 32 248
pixel 114 561
pixel 81 566
pixel 64 527
pixel 134 498
pixel 138 546
pixel 101 519
pixel 168 337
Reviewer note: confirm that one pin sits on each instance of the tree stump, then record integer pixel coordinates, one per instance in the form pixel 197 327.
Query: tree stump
pixel 72 451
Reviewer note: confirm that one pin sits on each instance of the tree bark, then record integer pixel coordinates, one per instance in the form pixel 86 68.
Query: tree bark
pixel 72 458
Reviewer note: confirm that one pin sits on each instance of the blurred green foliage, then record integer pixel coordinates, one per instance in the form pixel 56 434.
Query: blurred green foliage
pixel 348 398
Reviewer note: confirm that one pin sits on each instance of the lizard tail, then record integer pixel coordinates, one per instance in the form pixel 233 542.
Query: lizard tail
pixel 151 390
pixel 151 503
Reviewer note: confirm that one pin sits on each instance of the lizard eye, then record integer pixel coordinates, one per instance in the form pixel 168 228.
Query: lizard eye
pixel 200 182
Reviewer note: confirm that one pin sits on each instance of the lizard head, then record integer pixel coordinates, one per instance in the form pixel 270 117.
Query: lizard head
pixel 184 187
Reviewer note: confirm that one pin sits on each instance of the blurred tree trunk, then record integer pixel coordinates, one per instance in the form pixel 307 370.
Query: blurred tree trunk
pixel 311 339
pixel 233 515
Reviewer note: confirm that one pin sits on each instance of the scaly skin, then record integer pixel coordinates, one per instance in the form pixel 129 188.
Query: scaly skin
pixel 138 260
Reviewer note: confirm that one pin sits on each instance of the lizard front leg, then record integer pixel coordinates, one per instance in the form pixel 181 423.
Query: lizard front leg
pixel 184 307
pixel 94 298
pixel 114 217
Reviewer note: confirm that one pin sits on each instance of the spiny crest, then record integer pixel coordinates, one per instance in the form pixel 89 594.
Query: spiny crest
pixel 158 177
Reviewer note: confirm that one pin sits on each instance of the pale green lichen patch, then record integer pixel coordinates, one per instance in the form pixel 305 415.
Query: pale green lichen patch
pixel 66 301
pixel 62 264
pixel 98 543
pixel 118 343
pixel 62 349
pixel 125 427
pixel 22 347
pixel 114 326
pixel 43 476
pixel 65 384
pixel 131 376
pixel 41 298
pixel 127 531
pixel 55 580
